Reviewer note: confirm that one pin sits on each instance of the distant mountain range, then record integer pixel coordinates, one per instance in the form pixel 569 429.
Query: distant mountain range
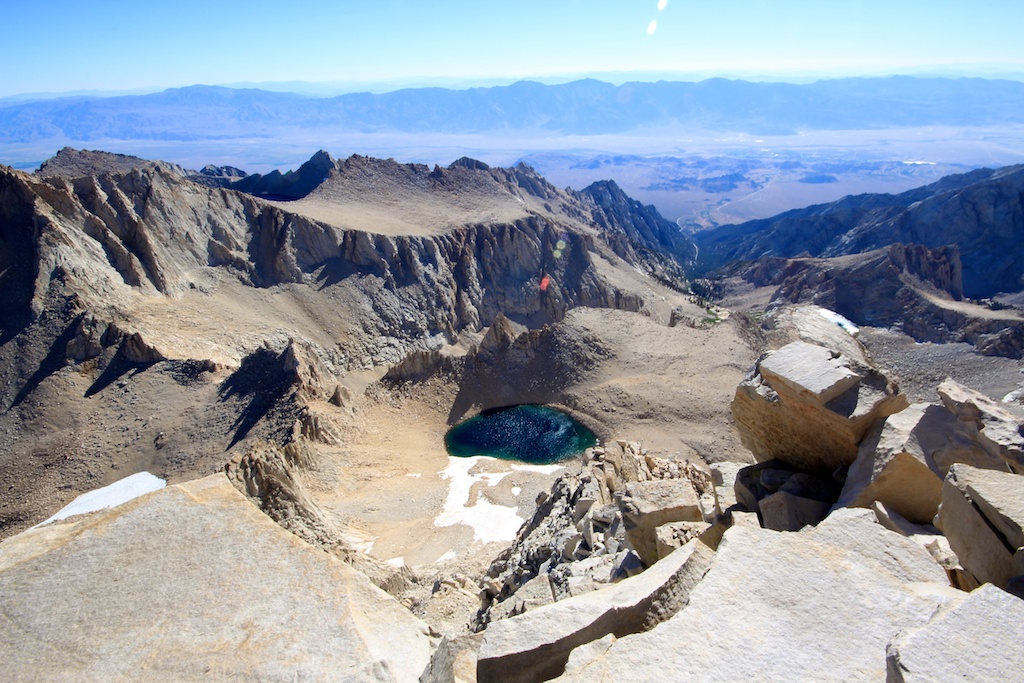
pixel 981 213
pixel 585 107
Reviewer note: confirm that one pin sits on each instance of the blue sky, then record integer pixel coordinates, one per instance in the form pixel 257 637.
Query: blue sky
pixel 61 46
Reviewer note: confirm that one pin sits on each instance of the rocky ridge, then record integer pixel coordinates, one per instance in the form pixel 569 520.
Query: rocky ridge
pixel 794 589
pixel 980 212
pixel 628 565
pixel 133 266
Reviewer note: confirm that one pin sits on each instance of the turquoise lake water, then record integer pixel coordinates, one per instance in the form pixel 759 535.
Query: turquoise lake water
pixel 527 433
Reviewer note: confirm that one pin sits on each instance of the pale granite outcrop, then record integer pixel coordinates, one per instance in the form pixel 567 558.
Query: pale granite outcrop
pixel 810 406
pixel 817 605
pixel 194 582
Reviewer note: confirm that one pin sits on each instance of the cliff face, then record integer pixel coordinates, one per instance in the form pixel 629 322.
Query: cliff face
pixel 136 288
pixel 909 287
pixel 981 212
pixel 109 237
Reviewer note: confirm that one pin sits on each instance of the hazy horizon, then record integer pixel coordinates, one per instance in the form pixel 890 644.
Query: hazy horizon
pixel 117 47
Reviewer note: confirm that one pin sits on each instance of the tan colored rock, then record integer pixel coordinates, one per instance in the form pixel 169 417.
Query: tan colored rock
pixel 677 534
pixel 809 368
pixel 724 480
pixel 746 519
pixel 987 434
pixel 194 582
pixel 536 645
pixel 894 464
pixel 454 660
pixel 894 521
pixel 815 325
pixel 819 605
pixel 810 406
pixel 982 514
pixel 646 505
pixel 967 640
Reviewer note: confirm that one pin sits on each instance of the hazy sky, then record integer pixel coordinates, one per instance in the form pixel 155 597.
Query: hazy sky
pixel 61 45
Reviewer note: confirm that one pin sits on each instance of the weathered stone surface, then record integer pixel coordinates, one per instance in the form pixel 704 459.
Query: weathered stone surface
pixel 783 511
pixel 577 535
pixel 646 505
pixel 454 660
pixel 809 368
pixel 814 606
pixel 535 646
pixel 724 479
pixel 982 514
pixel 810 406
pixel 987 434
pixel 894 464
pixel 677 534
pixel 784 498
pixel 747 519
pixel 968 640
pixel 815 325
pixel 193 582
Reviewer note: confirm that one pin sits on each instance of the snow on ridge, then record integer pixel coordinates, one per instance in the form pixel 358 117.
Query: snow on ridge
pixel 843 322
pixel 109 496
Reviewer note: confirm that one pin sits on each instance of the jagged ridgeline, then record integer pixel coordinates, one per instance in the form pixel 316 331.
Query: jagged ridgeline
pixel 112 266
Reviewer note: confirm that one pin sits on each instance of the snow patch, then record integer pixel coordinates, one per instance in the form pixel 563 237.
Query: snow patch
pixel 844 323
pixel 489 522
pixel 396 562
pixel 414 475
pixel 447 557
pixel 110 496
pixel 540 469
pixel 516 490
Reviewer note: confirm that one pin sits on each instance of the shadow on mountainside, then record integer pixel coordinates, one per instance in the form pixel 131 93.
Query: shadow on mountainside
pixel 261 382
pixel 53 361
pixel 118 367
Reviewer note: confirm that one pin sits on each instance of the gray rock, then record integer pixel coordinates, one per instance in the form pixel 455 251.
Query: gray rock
pixel 536 645
pixel 784 498
pixel 982 514
pixel 967 640
pixel 783 511
pixel 813 606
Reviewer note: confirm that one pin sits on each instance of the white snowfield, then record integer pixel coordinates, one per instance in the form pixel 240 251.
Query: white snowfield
pixel 110 496
pixel 844 323
pixel 489 522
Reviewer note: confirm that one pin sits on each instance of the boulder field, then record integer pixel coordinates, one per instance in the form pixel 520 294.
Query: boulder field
pixel 894 555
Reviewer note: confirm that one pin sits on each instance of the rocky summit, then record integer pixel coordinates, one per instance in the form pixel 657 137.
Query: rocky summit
pixel 808 465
